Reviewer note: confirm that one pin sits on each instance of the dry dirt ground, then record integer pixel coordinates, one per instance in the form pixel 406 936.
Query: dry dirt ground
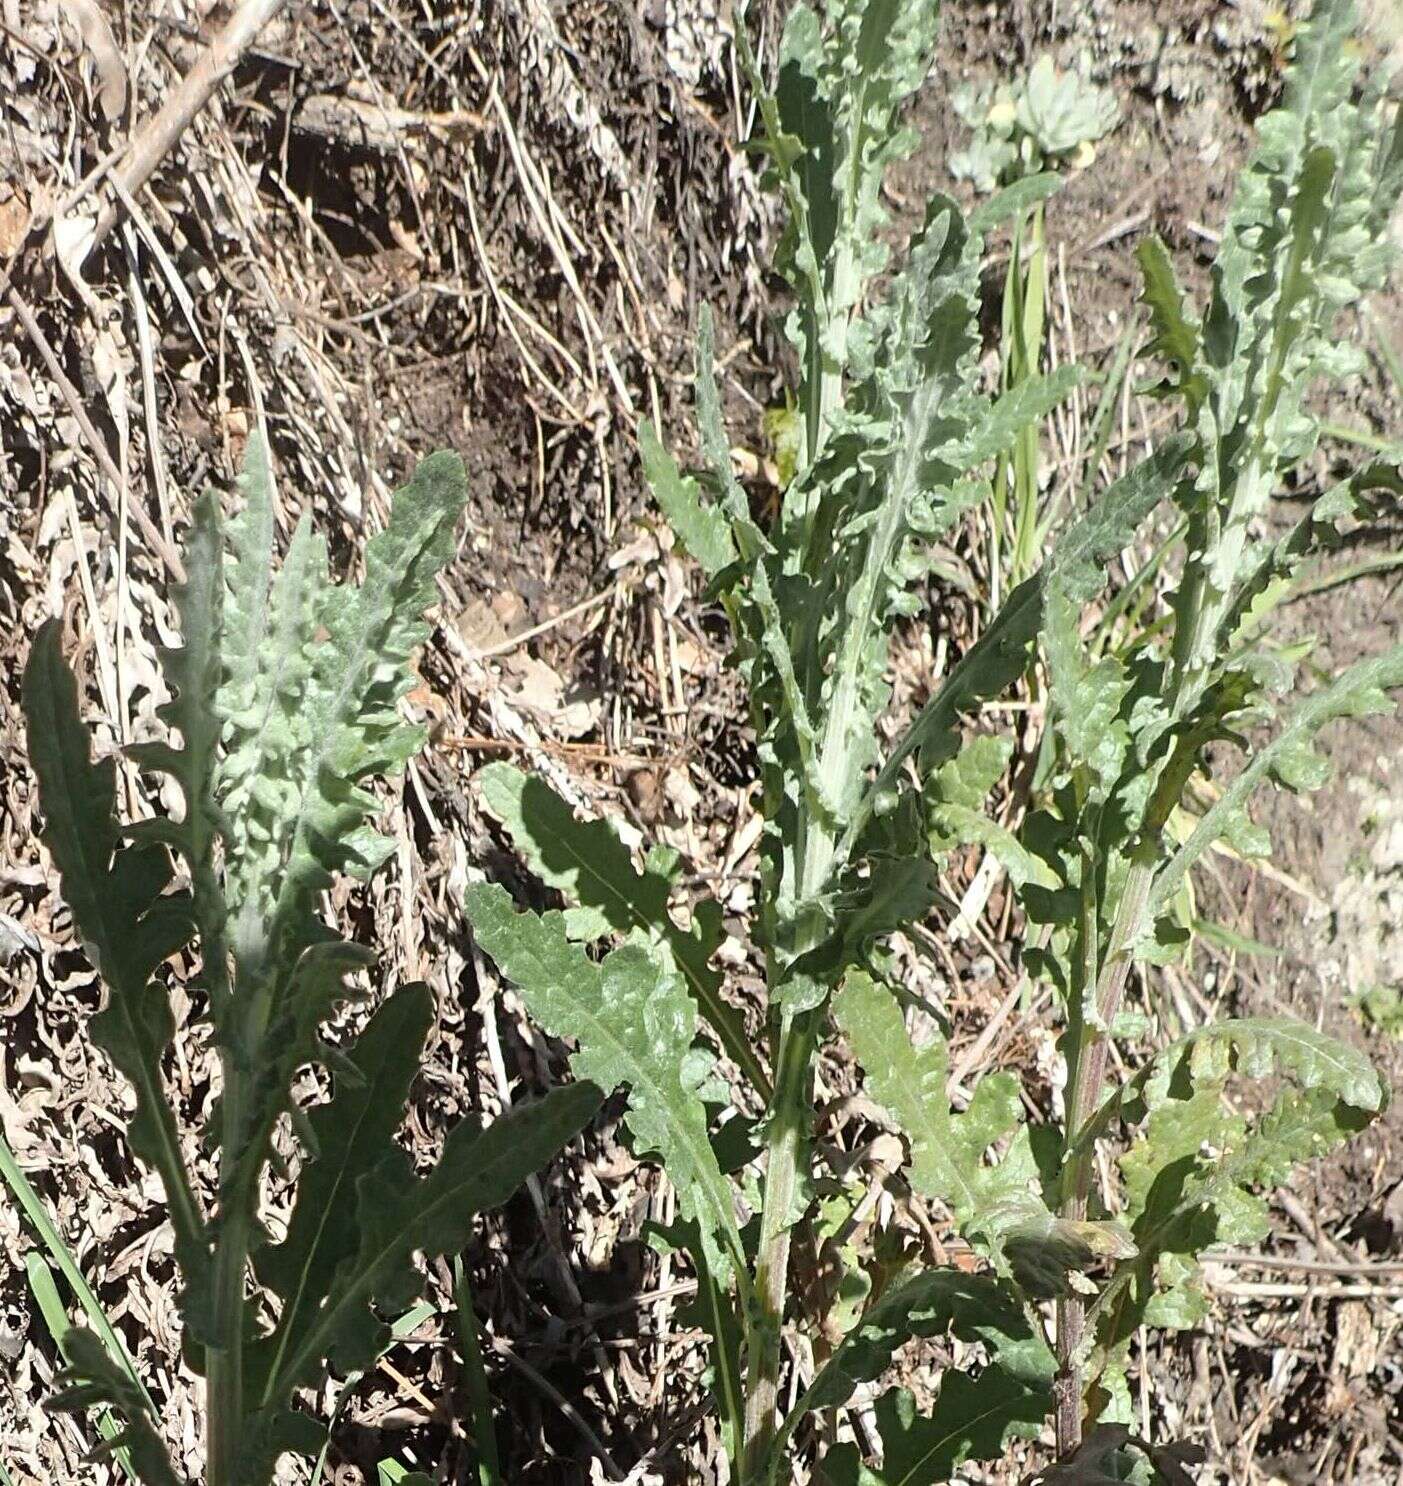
pixel 489 225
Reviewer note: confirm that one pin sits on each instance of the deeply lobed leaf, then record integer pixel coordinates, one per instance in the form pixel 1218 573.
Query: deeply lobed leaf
pixel 635 1024
pixel 128 922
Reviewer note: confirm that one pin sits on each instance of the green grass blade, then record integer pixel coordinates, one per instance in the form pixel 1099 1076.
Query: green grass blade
pixel 489 1468
pixel 46 1297
pixel 62 1256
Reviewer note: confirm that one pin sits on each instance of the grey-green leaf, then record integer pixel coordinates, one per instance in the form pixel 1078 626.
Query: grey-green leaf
pixel 586 860
pixel 347 700
pixel 702 528
pixel 635 1024
pixel 1359 691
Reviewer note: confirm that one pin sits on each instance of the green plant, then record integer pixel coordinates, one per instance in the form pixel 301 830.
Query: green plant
pixel 895 439
pixel 1046 121
pixel 1018 129
pixel 285 699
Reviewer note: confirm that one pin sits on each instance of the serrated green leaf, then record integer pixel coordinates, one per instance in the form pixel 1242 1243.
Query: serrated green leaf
pixel 358 675
pixel 127 921
pixel 1176 335
pixel 998 1205
pixel 947 1150
pixel 918 434
pixel 1359 691
pixel 702 529
pixel 955 793
pixel 587 861
pixel 194 670
pixel 635 1024
pixel 249 572
pixel 973 1418
pixel 93 1377
pixel 1000 654
pixel 1021 407
pixel 1196 1166
pixel 973 1307
pixel 263 704
pixel 1086 696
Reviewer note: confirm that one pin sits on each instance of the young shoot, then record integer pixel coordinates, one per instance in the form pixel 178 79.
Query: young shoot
pixel 284 709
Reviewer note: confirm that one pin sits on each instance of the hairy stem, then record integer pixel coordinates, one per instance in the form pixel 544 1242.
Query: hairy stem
pixel 784 1149
pixel 1091 1075
pixel 224 1370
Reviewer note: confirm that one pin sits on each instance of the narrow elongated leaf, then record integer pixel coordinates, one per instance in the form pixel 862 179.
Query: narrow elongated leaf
pixel 352 1134
pixel 194 670
pixel 1020 408
pixel 397 1215
pixel 831 132
pixel 359 674
pixel 1000 654
pixel 1359 691
pixel 715 446
pixel 246 609
pixel 263 703
pixel 924 431
pixel 1014 201
pixel 587 861
pixel 635 1025
pixel 126 919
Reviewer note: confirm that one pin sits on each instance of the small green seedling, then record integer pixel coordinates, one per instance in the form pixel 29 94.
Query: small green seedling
pixel 284 708
pixel 1046 120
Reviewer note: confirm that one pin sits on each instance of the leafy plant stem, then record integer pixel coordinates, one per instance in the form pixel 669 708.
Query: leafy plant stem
pixel 1087 1069
pixel 784 1145
pixel 224 1356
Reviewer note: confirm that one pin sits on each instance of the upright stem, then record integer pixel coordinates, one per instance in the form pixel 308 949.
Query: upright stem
pixel 1085 1096
pixel 785 1142
pixel 224 1366
pixel 784 1147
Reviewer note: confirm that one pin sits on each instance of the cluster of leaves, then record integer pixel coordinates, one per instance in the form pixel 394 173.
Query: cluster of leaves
pixel 893 441
pixel 1039 122
pixel 284 707
pixel 1305 237
pixel 285 702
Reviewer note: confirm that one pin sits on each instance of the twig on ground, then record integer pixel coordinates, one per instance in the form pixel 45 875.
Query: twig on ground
pixel 157 136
